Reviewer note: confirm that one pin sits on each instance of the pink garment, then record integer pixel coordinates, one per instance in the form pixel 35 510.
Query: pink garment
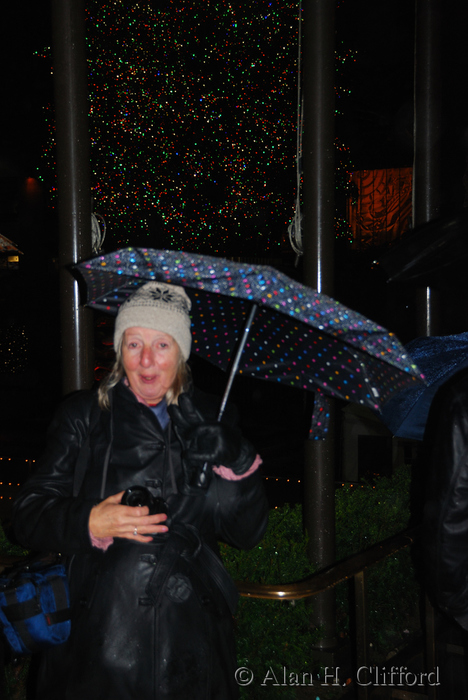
pixel 101 542
pixel 229 475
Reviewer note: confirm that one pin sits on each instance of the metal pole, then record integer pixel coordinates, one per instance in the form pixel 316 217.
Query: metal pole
pixel 74 205
pixel 318 236
pixel 318 143
pixel 427 133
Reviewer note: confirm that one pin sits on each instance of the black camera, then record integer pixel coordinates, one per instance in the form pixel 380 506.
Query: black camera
pixel 141 496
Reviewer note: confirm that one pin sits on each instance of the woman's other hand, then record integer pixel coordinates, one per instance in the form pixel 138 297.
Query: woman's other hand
pixel 111 519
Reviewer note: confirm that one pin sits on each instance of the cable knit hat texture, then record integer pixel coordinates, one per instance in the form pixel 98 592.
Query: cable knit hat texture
pixel 161 307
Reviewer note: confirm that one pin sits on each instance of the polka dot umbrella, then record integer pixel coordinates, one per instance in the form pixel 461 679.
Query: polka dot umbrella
pixel 256 321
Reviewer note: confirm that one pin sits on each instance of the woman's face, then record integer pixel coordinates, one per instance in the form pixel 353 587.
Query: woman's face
pixel 150 360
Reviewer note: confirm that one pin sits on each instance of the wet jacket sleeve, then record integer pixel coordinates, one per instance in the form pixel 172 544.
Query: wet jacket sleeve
pixel 239 507
pixel 445 532
pixel 46 516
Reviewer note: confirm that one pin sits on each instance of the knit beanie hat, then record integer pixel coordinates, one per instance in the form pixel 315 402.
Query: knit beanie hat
pixel 161 307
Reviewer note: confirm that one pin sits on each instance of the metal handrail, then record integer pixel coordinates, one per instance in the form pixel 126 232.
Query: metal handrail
pixel 332 575
pixel 353 567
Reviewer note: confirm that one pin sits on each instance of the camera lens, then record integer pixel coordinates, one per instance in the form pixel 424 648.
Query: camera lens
pixel 141 496
pixel 137 496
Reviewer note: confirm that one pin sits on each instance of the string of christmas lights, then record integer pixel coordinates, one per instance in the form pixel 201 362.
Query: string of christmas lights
pixel 14 347
pixel 193 122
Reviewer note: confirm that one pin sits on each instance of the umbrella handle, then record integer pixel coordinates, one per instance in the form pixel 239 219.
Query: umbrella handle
pixel 235 364
pixel 203 474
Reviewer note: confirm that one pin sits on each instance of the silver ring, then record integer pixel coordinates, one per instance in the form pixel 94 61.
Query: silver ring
pixel 135 532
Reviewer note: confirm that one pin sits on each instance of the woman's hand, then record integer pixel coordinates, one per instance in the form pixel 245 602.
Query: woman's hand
pixel 211 443
pixel 111 519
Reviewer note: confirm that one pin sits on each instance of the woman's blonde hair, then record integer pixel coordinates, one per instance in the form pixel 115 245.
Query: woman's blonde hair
pixel 180 384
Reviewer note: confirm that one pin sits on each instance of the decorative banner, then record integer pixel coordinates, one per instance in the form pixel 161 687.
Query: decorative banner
pixel 380 210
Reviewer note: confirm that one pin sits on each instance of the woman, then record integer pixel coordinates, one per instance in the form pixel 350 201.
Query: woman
pixel 152 604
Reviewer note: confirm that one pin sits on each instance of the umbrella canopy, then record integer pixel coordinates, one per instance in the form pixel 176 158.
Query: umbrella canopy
pixel 439 357
pixel 297 337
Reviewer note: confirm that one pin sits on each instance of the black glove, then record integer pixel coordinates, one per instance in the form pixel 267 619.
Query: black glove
pixel 208 443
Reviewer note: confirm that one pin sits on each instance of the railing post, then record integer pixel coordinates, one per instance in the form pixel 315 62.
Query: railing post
pixel 362 635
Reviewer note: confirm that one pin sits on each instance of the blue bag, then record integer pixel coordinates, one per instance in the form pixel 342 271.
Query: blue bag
pixel 34 596
pixel 35 606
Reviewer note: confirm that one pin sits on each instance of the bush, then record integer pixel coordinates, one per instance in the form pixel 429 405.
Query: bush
pixel 8 548
pixel 273 634
pixel 371 512
pixel 365 516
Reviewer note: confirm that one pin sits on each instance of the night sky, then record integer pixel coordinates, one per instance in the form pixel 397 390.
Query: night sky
pixel 26 85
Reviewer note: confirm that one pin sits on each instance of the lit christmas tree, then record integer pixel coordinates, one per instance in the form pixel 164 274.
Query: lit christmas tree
pixel 193 122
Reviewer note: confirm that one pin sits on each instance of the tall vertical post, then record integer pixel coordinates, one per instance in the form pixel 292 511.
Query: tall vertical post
pixel 74 195
pixel 427 133
pixel 318 237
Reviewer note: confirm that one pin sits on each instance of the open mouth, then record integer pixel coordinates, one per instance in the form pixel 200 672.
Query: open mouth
pixel 146 379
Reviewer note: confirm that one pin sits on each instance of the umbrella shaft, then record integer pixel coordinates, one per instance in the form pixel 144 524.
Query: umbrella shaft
pixel 235 364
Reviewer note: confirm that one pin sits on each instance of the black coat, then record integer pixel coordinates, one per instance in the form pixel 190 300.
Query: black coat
pixel 150 621
pixel 445 530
